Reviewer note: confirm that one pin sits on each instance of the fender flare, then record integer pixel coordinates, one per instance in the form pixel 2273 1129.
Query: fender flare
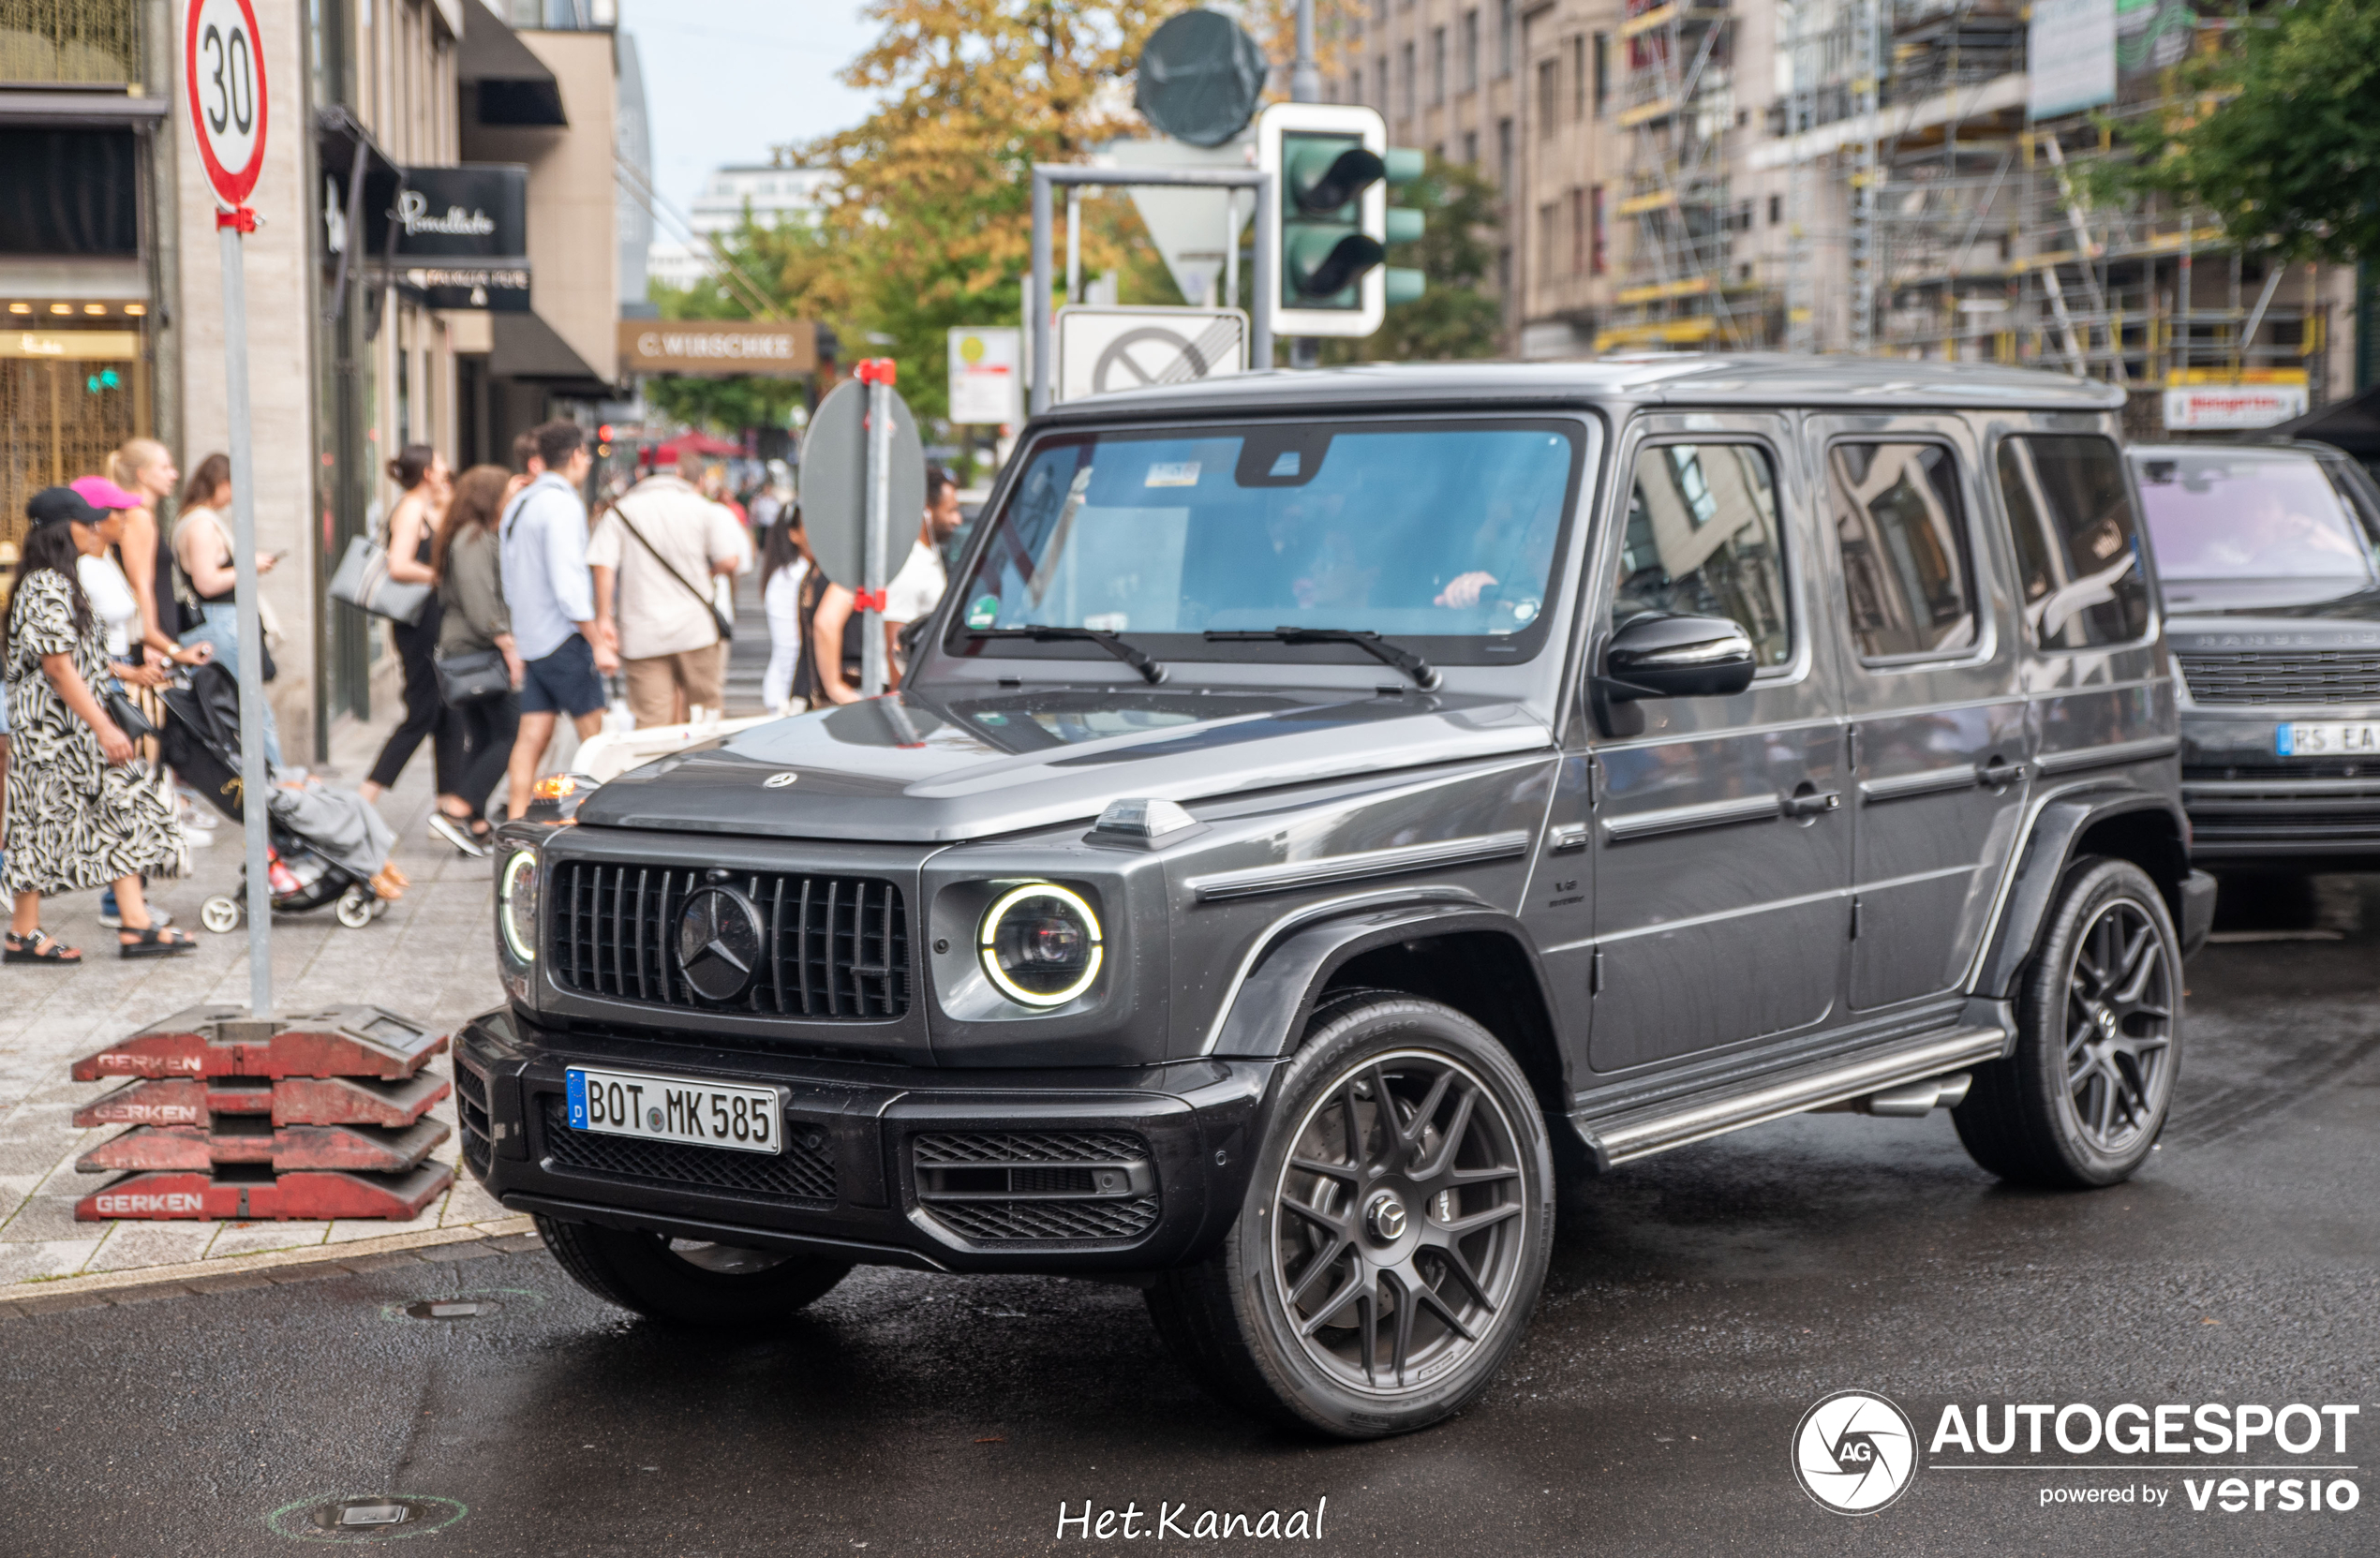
pixel 1273 1002
pixel 2048 849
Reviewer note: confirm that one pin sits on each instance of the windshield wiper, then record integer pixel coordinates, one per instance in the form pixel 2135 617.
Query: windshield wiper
pixel 1424 674
pixel 1151 672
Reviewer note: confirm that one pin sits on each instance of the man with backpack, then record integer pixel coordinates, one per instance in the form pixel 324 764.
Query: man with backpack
pixel 657 555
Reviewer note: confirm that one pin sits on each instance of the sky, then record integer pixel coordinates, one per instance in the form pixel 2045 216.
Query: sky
pixel 727 79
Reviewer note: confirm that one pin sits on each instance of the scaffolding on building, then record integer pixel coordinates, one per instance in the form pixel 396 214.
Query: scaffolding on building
pixel 1677 108
pixel 1967 230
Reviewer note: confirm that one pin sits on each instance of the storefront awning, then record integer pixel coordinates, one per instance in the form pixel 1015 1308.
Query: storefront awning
pixel 2352 424
pixel 511 86
pixel 526 347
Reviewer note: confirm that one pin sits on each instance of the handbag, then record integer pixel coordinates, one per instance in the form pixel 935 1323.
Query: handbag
pixel 726 628
pixel 472 675
pixel 363 581
pixel 127 715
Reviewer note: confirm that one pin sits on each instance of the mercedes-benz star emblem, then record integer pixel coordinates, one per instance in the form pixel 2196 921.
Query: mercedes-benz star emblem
pixel 719 942
pixel 778 781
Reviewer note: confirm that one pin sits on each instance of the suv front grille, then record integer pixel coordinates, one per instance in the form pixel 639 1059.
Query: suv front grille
pixel 1003 1187
pixel 2294 676
pixel 832 946
pixel 799 1173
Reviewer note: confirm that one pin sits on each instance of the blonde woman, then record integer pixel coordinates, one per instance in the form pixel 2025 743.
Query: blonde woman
pixel 144 468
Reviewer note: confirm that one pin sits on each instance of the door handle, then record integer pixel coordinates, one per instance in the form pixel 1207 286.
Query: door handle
pixel 1997 774
pixel 1565 839
pixel 1812 803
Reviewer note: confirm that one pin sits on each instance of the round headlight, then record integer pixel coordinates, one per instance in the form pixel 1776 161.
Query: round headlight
pixel 516 904
pixel 1040 944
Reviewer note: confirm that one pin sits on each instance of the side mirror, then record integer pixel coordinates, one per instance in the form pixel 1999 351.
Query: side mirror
pixel 1655 655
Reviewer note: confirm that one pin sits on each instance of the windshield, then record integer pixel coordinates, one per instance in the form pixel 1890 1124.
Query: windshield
pixel 1443 533
pixel 2245 514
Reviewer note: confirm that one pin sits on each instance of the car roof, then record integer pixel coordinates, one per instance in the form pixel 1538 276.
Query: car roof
pixel 1718 379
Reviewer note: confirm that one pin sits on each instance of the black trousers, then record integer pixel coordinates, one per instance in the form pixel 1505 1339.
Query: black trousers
pixel 487 727
pixel 425 712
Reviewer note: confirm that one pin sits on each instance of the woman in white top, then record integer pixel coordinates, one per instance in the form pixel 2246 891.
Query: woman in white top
pixel 202 548
pixel 784 566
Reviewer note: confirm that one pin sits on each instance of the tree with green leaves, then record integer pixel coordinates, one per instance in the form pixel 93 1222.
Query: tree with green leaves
pixel 2277 133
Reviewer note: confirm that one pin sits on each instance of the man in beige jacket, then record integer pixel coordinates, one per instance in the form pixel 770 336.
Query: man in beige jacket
pixel 656 556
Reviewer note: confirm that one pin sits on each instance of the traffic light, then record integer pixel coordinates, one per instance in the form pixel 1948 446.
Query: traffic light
pixel 1332 167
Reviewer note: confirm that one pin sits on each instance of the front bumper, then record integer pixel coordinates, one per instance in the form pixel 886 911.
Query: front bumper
pixel 1105 1169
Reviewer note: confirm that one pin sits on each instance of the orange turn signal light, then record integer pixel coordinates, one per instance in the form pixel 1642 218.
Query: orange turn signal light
pixel 552 787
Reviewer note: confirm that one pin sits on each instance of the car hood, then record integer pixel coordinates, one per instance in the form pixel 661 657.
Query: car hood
pixel 2248 615
pixel 909 767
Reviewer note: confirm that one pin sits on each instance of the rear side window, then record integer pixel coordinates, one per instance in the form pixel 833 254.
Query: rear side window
pixel 2077 539
pixel 1902 536
pixel 1702 540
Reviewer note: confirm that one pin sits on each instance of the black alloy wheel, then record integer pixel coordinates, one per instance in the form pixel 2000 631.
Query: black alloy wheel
pixel 1395 1230
pixel 1393 1235
pixel 2082 1100
pixel 2120 1027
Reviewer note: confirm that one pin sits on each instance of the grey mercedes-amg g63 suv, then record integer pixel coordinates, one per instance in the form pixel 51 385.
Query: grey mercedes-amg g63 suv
pixel 1327 805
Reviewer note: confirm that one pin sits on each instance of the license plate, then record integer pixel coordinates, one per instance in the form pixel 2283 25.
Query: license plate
pixel 2327 739
pixel 670 1108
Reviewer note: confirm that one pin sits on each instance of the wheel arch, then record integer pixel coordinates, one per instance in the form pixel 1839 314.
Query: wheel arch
pixel 2139 825
pixel 1477 961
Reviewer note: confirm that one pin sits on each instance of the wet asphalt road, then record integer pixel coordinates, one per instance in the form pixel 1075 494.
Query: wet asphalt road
pixel 1701 1305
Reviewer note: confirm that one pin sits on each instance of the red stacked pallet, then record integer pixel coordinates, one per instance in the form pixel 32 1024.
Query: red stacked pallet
pixel 322 1115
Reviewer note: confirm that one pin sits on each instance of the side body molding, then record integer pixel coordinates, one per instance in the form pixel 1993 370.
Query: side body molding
pixel 2041 865
pixel 1273 1003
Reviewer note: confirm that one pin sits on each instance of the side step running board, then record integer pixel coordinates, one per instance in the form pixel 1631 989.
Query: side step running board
pixel 1642 1133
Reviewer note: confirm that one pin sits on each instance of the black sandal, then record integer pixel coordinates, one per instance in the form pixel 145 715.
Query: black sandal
pixel 153 941
pixel 38 947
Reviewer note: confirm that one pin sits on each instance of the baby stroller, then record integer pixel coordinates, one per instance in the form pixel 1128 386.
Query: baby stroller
pixel 200 741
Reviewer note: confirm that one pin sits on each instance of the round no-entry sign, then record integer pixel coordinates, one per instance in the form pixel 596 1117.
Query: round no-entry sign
pixel 225 70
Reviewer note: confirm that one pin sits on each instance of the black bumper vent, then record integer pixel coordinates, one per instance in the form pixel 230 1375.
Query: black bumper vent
pixel 800 1174
pixel 471 1112
pixel 832 946
pixel 2295 676
pixel 1005 1187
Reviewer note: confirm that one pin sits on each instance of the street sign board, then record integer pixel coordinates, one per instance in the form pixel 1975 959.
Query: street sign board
pixel 986 375
pixel 1101 350
pixel 225 77
pixel 1195 229
pixel 2206 408
pixel 834 482
pixel 718 347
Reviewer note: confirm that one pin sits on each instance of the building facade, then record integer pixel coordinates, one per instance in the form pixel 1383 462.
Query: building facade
pixel 109 270
pixel 769 193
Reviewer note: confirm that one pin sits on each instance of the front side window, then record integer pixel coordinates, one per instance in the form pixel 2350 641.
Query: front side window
pixel 1702 540
pixel 1902 535
pixel 2077 539
pixel 2249 514
pixel 1441 533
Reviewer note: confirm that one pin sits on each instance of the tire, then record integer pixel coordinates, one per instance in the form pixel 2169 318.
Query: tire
pixel 683 1282
pixel 2081 1102
pixel 1429 1297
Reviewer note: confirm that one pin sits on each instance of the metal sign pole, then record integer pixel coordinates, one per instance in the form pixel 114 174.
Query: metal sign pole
pixel 254 782
pixel 1038 288
pixel 872 637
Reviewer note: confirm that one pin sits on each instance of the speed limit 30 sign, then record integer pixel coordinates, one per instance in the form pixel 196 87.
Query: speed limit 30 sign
pixel 225 71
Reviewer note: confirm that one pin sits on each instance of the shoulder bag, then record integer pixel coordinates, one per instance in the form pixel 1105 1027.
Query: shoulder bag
pixel 726 628
pixel 363 581
pixel 473 676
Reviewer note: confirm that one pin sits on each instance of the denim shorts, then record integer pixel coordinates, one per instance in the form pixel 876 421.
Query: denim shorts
pixel 563 682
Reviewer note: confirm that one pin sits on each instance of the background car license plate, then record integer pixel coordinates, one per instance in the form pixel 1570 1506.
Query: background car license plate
pixel 671 1108
pixel 2329 739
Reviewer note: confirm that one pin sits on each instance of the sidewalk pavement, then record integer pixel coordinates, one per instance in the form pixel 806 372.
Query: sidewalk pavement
pixel 430 958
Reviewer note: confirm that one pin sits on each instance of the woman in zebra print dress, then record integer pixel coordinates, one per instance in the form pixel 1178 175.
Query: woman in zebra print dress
pixel 82 811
